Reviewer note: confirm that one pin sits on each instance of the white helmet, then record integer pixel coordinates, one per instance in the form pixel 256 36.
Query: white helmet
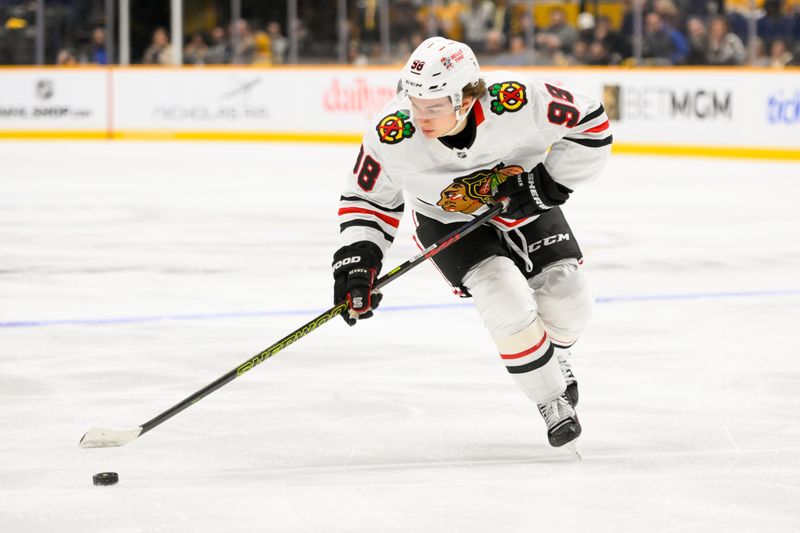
pixel 440 67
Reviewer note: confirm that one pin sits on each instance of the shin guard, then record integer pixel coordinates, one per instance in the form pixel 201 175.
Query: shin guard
pixel 528 356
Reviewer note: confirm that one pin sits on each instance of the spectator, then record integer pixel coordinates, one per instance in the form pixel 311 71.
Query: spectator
pixel 495 42
pixel 680 46
pixel 586 27
pixel 244 44
pixel 356 55
pixel 518 54
pixel 278 43
pixel 263 53
pixel 195 52
pixel 760 59
pixel 477 20
pixel 658 46
pixel 612 41
pixel 66 58
pixel 598 54
pixel 527 27
pixel 779 54
pixel 450 19
pixel 219 53
pixel 159 52
pixel 698 41
pixel 738 20
pixel 95 52
pixel 668 11
pixel 724 47
pixel 559 35
pixel 501 20
pixel 428 21
pixel 773 25
pixel 671 19
pixel 580 53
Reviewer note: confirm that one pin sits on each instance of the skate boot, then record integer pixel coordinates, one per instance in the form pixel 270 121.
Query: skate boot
pixel 562 422
pixel 569 377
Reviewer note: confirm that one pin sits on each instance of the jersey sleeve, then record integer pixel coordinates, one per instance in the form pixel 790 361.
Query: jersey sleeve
pixel 581 132
pixel 371 205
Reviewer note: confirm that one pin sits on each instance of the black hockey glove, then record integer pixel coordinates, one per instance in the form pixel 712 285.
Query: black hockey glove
pixel 355 268
pixel 531 193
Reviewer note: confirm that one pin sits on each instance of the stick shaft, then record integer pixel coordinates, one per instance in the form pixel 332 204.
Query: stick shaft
pixel 439 245
pixel 259 358
pixel 326 316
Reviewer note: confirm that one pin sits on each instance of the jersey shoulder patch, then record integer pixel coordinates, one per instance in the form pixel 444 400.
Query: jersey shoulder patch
pixel 394 127
pixel 508 97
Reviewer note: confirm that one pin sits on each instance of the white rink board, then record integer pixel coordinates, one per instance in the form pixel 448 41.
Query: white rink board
pixel 715 108
pixel 50 99
pixel 718 108
pixel 225 100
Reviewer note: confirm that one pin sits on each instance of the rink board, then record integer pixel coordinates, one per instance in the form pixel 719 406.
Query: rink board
pixel 55 103
pixel 722 112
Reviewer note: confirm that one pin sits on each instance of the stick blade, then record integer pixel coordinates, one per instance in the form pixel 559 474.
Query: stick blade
pixel 108 438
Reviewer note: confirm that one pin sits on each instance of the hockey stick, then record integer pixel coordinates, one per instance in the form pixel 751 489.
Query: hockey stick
pixel 106 438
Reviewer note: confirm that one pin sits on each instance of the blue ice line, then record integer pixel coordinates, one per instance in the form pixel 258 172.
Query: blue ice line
pixel 417 307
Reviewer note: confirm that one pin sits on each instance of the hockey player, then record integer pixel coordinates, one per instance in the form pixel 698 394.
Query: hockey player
pixel 454 141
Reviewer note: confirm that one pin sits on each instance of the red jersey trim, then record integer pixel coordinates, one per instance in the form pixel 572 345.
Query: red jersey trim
pixel 598 129
pixel 386 218
pixel 512 223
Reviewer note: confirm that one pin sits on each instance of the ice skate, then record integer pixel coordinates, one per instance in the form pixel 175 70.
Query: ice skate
pixel 569 377
pixel 562 421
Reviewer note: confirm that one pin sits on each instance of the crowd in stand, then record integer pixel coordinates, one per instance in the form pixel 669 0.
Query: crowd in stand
pixel 674 32
pixel 243 47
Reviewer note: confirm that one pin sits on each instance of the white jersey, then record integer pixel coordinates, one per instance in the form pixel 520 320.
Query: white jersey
pixel 520 123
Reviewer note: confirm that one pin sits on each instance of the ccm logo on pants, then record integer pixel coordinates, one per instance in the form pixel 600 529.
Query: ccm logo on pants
pixel 547 241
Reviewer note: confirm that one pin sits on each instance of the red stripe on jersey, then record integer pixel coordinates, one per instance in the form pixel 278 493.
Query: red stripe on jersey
pixel 598 129
pixel 386 218
pixel 526 352
pixel 510 223
pixel 479 116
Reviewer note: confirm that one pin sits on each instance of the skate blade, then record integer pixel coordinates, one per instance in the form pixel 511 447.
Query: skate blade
pixel 573 448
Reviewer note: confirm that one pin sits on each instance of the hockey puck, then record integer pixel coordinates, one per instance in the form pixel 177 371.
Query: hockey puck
pixel 105 478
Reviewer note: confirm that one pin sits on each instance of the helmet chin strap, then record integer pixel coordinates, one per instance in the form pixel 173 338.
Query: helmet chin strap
pixel 461 118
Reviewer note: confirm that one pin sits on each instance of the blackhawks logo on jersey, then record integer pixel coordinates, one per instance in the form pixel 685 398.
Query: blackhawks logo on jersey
pixel 468 193
pixel 508 96
pixel 394 128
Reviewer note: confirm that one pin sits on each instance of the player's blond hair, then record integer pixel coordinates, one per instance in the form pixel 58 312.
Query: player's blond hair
pixel 475 90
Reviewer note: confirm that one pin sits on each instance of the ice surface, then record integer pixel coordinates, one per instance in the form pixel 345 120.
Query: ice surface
pixel 133 274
